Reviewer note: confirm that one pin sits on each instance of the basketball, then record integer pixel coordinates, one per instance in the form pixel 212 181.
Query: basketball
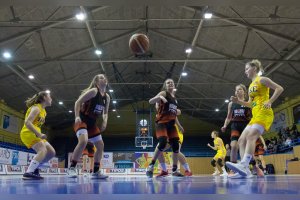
pixel 139 43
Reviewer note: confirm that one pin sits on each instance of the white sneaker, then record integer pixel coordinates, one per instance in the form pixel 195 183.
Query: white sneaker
pixel 72 173
pixel 249 174
pixel 216 173
pixel 238 167
pixel 98 175
pixel 235 176
pixel 224 174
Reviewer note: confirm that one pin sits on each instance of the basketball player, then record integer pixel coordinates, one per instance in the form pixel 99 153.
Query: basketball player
pixel 239 116
pixel 221 153
pixel 259 152
pixel 181 157
pixel 32 136
pixel 165 125
pixel 88 158
pixel 262 113
pixel 92 104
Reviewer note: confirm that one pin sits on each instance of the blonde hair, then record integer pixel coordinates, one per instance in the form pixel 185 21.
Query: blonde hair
pixel 256 64
pixel 244 89
pixel 92 84
pixel 164 88
pixel 216 133
pixel 35 99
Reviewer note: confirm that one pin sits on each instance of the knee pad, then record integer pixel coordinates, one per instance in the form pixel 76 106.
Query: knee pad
pixel 220 162
pixel 162 143
pixel 175 144
pixel 213 163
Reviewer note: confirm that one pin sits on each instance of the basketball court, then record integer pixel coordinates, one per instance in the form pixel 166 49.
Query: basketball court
pixel 125 51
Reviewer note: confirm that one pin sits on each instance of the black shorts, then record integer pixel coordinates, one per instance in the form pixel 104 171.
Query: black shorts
pixel 236 129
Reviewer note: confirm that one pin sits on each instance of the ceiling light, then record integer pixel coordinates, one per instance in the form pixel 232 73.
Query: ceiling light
pixel 60 103
pixel 118 116
pixel 188 50
pixel 6 55
pixel 111 90
pixel 208 15
pixel 217 110
pixel 80 16
pixel 47 91
pixel 70 111
pixel 114 101
pixel 114 110
pixel 31 76
pixel 226 101
pixel 98 52
pixel 184 73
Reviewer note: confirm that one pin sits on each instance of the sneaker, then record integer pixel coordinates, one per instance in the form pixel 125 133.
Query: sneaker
pixel 72 173
pixel 249 174
pixel 149 172
pixel 235 176
pixel 37 173
pixel 162 174
pixel 216 173
pixel 224 174
pixel 238 167
pixel 177 174
pixel 98 175
pixel 31 176
pixel 188 173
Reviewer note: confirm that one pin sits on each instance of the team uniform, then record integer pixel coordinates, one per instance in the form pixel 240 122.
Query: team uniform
pixel 89 112
pixel 89 150
pixel 221 150
pixel 165 118
pixel 241 116
pixel 27 136
pixel 262 118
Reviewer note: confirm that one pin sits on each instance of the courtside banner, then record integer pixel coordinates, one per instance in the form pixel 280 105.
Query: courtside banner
pixel 53 171
pixel 107 160
pixel 5 156
pixel 2 169
pixel 140 171
pixel 116 171
pixel 44 171
pixel 14 169
pixel 62 170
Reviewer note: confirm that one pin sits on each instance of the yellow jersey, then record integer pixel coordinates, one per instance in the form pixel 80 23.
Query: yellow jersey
pixel 27 136
pixel 221 150
pixel 259 95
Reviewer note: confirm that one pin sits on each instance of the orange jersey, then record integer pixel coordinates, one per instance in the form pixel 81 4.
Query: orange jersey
pixel 167 111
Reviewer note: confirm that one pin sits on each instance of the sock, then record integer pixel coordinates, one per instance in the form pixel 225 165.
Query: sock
pixel 33 165
pixel 246 159
pixel 174 168
pixel 73 163
pixel 96 167
pixel 223 169
pixel 186 167
pixel 216 169
pixel 163 166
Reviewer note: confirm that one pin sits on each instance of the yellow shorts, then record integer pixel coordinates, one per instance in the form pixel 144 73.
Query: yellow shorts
pixel 30 139
pixel 263 117
pixel 219 154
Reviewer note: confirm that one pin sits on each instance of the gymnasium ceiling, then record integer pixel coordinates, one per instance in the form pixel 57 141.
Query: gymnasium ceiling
pixel 49 43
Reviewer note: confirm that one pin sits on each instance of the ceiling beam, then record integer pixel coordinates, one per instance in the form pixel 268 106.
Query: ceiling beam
pixel 116 60
pixel 45 27
pixel 195 38
pixel 251 27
